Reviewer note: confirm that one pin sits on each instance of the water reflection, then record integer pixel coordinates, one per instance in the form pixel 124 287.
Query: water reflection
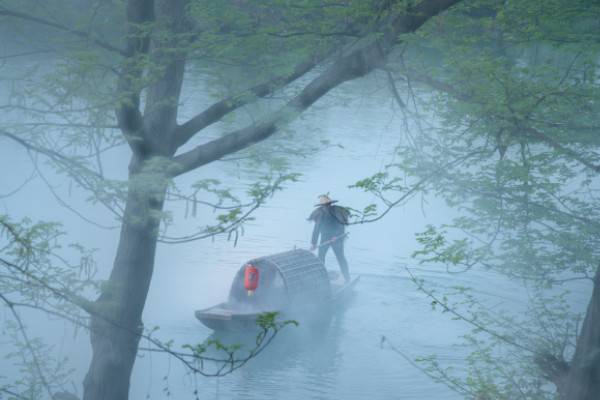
pixel 310 352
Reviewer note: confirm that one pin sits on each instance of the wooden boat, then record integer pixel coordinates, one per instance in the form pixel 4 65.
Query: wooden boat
pixel 288 283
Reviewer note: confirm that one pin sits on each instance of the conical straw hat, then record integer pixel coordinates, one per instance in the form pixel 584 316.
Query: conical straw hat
pixel 325 200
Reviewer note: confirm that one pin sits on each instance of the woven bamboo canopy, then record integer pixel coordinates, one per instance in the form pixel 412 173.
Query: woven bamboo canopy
pixel 292 279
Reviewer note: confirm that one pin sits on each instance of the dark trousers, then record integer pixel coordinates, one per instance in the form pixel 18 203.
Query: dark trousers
pixel 338 250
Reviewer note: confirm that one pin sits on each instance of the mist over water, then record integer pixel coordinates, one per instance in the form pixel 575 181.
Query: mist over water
pixel 337 354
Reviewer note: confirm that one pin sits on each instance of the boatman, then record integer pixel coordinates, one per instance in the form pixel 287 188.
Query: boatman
pixel 330 223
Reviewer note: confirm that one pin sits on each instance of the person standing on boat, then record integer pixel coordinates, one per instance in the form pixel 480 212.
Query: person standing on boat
pixel 330 223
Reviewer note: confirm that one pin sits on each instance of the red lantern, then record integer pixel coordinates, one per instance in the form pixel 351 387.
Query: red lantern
pixel 251 279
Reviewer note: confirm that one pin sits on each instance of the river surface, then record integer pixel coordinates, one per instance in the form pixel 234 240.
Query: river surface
pixel 338 354
pixel 341 356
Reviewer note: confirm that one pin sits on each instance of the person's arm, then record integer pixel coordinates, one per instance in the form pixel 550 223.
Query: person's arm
pixel 315 235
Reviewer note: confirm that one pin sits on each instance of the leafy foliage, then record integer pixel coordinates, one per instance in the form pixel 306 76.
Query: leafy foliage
pixel 213 358
pixel 512 145
pixel 100 102
pixel 37 281
pixel 36 277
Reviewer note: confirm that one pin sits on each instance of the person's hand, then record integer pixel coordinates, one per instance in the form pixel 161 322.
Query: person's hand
pixel 312 247
pixel 333 239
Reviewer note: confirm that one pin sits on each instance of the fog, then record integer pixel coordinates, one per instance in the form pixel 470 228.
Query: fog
pixel 338 353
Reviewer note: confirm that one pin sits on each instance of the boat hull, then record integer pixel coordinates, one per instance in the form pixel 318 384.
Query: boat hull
pixel 229 317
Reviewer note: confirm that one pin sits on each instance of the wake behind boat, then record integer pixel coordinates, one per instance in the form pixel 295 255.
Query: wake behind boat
pixel 287 282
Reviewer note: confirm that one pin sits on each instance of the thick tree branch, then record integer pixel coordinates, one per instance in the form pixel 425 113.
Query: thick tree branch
pixel 571 153
pixel 216 111
pixel 357 64
pixel 129 116
pixel 167 56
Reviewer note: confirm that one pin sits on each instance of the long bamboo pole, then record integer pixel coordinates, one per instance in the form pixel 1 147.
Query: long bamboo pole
pixel 333 239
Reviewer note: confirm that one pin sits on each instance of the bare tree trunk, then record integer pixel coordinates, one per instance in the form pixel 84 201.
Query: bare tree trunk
pixel 583 379
pixel 117 323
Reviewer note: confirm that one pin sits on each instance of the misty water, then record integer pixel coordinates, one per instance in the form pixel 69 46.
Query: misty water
pixel 338 354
